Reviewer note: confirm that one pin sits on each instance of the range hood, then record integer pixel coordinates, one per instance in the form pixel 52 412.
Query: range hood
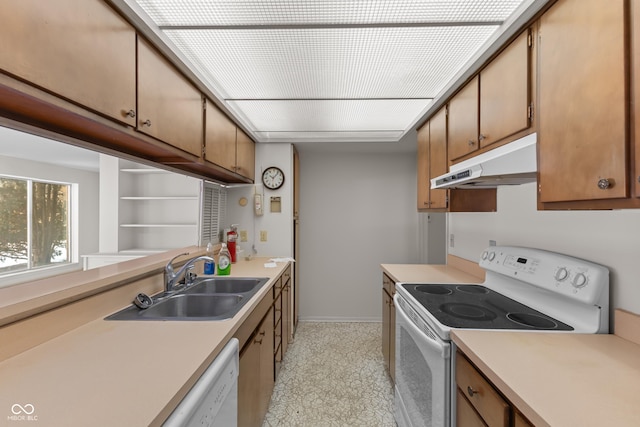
pixel 510 164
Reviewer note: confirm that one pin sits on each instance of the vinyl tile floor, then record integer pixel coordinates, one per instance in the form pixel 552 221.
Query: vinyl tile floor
pixel 333 375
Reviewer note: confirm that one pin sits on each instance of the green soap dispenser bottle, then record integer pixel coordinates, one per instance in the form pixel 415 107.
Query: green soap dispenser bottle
pixel 224 261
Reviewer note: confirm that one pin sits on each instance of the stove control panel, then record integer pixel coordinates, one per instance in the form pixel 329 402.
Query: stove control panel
pixel 576 278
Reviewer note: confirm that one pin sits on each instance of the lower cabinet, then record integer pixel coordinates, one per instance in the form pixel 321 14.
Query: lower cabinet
pixel 264 337
pixel 282 318
pixel 478 402
pixel 389 325
pixel 256 376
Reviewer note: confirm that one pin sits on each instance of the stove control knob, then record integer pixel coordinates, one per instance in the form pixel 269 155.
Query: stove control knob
pixel 579 281
pixel 484 255
pixel 562 274
pixel 492 256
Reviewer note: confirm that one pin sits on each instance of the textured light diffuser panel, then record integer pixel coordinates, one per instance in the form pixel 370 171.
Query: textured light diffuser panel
pixel 316 69
pixel 292 12
pixel 331 115
pixel 330 63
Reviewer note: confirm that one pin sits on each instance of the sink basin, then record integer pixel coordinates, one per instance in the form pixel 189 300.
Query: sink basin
pixel 227 285
pixel 198 306
pixel 209 298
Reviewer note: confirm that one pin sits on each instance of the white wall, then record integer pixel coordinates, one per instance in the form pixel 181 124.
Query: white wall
pixel 357 211
pixel 610 238
pixel 279 226
pixel 87 188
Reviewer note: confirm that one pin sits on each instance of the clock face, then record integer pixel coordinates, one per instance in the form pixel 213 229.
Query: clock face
pixel 273 178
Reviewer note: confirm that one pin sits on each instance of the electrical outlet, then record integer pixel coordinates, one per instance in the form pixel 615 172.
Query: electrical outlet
pixel 243 235
pixel 451 240
pixel 263 235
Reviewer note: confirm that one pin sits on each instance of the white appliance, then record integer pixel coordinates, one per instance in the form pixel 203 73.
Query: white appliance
pixel 525 289
pixel 510 164
pixel 213 400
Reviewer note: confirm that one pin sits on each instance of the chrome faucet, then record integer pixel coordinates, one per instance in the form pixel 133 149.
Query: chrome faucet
pixel 171 277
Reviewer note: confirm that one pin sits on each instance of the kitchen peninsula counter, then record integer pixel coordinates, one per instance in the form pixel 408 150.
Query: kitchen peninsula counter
pixel 119 373
pixel 558 379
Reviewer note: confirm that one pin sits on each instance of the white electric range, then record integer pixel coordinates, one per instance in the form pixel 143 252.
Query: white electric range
pixel 525 289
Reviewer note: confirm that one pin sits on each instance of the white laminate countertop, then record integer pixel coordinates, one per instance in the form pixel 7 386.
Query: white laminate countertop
pixel 118 373
pixel 558 379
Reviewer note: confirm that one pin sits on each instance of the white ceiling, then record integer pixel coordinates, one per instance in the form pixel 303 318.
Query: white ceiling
pixel 326 70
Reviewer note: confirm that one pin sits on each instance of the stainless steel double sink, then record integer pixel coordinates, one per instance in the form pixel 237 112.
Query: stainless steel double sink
pixel 208 298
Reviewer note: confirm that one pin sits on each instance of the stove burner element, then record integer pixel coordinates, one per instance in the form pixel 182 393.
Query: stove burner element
pixel 468 311
pixel 434 290
pixel 532 320
pixel 473 289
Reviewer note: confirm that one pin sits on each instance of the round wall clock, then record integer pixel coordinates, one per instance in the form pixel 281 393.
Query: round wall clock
pixel 273 178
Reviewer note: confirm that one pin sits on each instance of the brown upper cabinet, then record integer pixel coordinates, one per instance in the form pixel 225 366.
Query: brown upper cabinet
pixel 79 69
pixel 432 162
pixel 79 50
pixel 227 145
pixel 463 120
pixel 635 95
pixel 169 106
pixel 505 101
pixel 496 104
pixel 245 155
pixel 583 142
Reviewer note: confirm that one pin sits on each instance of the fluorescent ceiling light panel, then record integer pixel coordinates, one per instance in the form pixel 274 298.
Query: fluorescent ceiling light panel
pixel 327 12
pixel 336 68
pixel 330 63
pixel 331 115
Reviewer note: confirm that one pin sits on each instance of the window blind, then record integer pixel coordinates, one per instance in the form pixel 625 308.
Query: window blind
pixel 214 208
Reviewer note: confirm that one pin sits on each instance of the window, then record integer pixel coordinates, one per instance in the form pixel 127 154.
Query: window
pixel 214 206
pixel 34 224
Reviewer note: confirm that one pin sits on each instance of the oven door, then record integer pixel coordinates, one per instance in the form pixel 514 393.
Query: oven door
pixel 423 366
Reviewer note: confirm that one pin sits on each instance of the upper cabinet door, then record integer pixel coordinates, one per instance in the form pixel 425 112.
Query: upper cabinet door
pixel 635 95
pixel 220 138
pixel 80 50
pixel 582 139
pixel 438 164
pixel 504 93
pixel 423 167
pixel 463 121
pixel 169 106
pixel 245 155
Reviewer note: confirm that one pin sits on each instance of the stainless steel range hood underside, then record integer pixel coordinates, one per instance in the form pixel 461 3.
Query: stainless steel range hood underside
pixel 514 163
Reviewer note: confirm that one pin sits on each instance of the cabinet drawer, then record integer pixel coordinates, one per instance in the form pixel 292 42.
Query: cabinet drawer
pixel 286 276
pixel 389 285
pixel 521 421
pixel 482 396
pixel 466 416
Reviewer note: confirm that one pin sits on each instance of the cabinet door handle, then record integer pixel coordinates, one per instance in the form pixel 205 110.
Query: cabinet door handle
pixel 471 143
pixel 130 113
pixel 481 137
pixel 471 391
pixel 604 184
pixel 146 123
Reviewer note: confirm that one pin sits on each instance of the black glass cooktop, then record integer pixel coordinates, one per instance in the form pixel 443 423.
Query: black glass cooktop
pixel 478 307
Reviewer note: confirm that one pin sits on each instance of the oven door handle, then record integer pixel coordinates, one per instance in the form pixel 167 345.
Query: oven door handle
pixel 432 341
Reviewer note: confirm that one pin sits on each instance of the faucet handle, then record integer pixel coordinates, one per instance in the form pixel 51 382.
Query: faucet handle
pixel 189 276
pixel 169 267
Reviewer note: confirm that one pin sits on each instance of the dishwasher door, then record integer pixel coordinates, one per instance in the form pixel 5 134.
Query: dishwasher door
pixel 213 400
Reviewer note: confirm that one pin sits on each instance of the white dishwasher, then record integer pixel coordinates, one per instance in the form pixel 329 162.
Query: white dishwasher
pixel 213 400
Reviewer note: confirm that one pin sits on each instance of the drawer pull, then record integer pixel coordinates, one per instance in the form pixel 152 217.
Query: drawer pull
pixel 471 391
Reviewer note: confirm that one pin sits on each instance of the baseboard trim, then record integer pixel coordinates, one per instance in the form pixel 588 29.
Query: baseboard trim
pixel 340 319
